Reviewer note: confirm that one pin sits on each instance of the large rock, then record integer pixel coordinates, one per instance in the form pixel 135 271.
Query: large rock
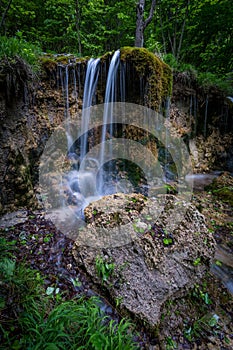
pixel 167 250
pixel 222 187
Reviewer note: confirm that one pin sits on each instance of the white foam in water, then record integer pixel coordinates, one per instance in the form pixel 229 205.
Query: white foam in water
pixel 91 80
pixel 82 182
pixel 110 96
pixel 87 183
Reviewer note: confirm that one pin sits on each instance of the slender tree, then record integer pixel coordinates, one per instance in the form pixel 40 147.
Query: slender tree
pixel 5 13
pixel 77 24
pixel 141 24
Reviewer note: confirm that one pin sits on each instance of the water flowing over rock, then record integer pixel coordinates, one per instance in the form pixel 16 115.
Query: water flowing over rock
pixel 160 262
pixel 27 122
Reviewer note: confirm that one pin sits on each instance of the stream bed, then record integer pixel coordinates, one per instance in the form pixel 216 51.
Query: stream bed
pixel 40 245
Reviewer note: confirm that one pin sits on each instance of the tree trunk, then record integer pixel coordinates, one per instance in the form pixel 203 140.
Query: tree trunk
pixel 140 23
pixel 182 30
pixel 5 14
pixel 77 24
pixel 139 35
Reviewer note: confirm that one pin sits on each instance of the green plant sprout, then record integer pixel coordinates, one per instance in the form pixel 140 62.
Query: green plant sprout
pixel 104 269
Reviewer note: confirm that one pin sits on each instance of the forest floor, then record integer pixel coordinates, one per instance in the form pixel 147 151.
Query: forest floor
pixel 202 319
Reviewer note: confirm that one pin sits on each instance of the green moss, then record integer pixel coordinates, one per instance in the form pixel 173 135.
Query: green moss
pixel 222 188
pixel 106 56
pixel 49 62
pixel 158 75
pixel 225 194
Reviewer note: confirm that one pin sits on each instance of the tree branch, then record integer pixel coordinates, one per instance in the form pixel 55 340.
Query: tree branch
pixel 5 13
pixel 182 30
pixel 152 10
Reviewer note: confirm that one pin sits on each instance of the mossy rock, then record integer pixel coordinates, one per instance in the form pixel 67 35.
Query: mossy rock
pixel 156 74
pixel 222 187
pixel 50 62
pixel 225 194
pixel 156 259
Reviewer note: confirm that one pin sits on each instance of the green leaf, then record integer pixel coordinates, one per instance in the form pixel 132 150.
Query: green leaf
pixel 197 261
pixel 214 320
pixel 167 241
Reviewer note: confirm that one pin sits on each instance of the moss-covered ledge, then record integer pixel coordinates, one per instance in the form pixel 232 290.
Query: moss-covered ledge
pixel 148 78
pixel 156 74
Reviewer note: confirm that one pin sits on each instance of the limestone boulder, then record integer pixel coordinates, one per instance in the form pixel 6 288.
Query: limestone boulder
pixel 166 248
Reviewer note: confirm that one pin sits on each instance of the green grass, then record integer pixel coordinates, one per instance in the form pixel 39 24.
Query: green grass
pixel 104 269
pixel 13 47
pixel 31 320
pixel 76 324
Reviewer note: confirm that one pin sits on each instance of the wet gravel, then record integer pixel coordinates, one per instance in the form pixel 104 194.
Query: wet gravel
pixel 42 247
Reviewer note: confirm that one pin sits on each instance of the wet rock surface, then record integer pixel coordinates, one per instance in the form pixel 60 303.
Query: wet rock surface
pixel 222 188
pixel 181 318
pixel 157 265
pixel 217 208
pixel 40 245
pixel 211 152
pixel 26 123
pixel 203 318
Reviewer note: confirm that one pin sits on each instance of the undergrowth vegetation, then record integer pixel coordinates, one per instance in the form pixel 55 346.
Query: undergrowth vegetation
pixel 206 80
pixel 31 319
pixel 13 47
pixel 15 51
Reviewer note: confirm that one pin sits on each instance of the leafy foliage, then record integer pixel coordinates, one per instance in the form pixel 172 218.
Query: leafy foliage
pixel 18 47
pixel 208 80
pixel 199 32
pixel 206 325
pixel 31 319
pixel 74 324
pixel 104 269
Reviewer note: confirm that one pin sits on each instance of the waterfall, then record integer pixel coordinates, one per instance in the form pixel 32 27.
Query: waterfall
pixel 81 181
pixel 110 93
pixel 114 147
pixel 195 107
pixel 122 81
pixel 66 77
pixel 206 116
pixel 95 173
pixel 91 80
pixel 75 90
pixel 110 96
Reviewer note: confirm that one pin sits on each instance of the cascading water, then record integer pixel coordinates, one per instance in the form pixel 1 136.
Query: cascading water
pixel 91 80
pixel 63 77
pixel 206 116
pixel 94 174
pixel 80 182
pixel 110 96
